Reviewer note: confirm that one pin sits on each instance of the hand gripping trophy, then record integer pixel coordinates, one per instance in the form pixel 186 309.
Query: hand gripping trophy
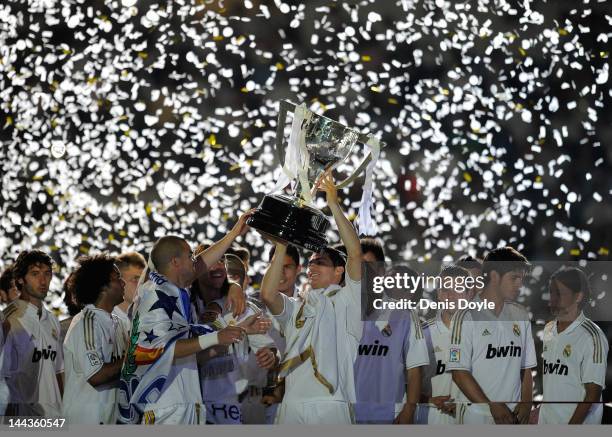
pixel 316 144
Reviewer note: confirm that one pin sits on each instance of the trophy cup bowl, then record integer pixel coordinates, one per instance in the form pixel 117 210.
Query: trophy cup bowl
pixel 288 219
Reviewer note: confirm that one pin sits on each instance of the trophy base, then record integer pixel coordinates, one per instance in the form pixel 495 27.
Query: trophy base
pixel 280 219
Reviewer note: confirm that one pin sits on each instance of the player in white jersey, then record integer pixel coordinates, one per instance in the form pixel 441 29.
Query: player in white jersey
pixel 391 356
pixel 131 265
pixel 575 355
pixel 322 332
pixel 32 358
pixel 439 390
pixel 492 350
pixel 8 293
pixel 95 343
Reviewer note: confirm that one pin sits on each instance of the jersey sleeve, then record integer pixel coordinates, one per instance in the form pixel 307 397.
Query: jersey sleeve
pixel 460 351
pixel 8 356
pixel 593 366
pixel 59 358
pixel 350 296
pixel 415 345
pixel 430 370
pixel 529 358
pixel 286 315
pixel 86 347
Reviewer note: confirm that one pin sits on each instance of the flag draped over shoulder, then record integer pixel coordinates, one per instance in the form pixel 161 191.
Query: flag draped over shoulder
pixel 162 316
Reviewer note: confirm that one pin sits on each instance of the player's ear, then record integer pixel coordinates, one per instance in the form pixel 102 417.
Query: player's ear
pixel 580 298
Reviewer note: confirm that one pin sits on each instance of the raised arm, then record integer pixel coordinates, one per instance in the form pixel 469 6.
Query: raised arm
pixel 214 253
pixel 269 285
pixel 349 237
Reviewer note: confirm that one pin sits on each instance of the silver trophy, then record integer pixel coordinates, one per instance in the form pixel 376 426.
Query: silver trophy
pixel 320 144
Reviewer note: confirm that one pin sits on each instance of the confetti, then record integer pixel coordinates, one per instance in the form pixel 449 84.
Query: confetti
pixel 154 118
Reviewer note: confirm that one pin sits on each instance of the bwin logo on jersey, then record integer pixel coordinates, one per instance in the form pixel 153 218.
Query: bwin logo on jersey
pixel 45 354
pixel 556 368
pixel 374 349
pixel 503 351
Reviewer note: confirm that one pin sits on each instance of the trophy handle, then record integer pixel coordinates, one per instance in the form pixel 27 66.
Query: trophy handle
pixel 284 107
pixel 345 183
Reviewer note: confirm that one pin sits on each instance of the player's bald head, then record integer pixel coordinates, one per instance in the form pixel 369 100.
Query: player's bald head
pixel 165 249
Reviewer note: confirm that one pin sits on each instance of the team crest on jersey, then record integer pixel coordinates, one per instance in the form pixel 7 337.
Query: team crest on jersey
pixel 54 333
pixel 486 332
pixel 545 347
pixel 567 351
pixel 437 349
pixel 455 355
pixel 94 359
pixel 387 331
pixel 516 330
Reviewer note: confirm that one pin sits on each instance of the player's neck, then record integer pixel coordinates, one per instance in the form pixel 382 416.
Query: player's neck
pixel 564 320
pixel 491 294
pixel 123 306
pixel 105 305
pixel 446 317
pixel 209 294
pixel 31 299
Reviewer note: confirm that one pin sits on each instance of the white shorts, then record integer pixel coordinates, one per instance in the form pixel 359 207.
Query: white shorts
pixel 179 414
pixel 562 413
pixel 316 412
pixel 437 417
pixel 474 415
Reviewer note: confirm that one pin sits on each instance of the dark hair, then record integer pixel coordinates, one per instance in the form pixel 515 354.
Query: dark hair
pixel 27 259
pixel 574 279
pixel 337 258
pixel 371 244
pixel 504 260
pixel 130 259
pixel 91 276
pixel 68 289
pixel 292 251
pixel 469 262
pixel 6 278
pixel 339 247
pixel 241 252
pixel 454 271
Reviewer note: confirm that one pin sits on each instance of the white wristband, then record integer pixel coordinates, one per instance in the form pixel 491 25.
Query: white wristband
pixel 208 340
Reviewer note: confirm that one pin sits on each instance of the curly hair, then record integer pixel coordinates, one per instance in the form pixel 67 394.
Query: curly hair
pixel 91 276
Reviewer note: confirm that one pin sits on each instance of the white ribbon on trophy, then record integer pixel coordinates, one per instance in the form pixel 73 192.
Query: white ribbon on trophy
pixel 297 157
pixel 366 225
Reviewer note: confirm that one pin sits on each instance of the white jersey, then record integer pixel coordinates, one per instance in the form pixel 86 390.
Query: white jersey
pixel 224 378
pixel 126 324
pixel 494 349
pixel 4 391
pixel 572 358
pixel 387 349
pixel 31 359
pixel 437 381
pixel 94 338
pixel 302 388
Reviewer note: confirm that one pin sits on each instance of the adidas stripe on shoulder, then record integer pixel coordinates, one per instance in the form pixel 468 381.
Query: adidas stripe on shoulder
pixel 593 330
pixel 457 324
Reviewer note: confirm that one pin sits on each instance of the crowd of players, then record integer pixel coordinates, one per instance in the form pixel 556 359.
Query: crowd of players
pixel 193 343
